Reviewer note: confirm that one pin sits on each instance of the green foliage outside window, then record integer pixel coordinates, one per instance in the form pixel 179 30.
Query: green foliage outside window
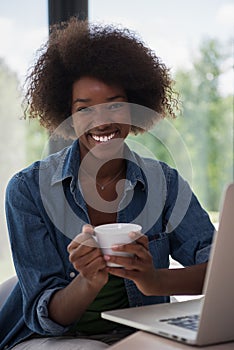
pixel 205 125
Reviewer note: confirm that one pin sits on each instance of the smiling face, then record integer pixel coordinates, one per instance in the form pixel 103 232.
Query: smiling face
pixel 101 117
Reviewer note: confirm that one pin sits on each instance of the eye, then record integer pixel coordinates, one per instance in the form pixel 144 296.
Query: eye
pixel 115 105
pixel 84 110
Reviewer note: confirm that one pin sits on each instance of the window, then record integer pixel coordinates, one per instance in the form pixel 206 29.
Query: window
pixel 194 39
pixel 23 28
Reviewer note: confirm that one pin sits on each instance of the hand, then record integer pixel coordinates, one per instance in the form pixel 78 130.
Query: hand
pixel 139 268
pixel 87 258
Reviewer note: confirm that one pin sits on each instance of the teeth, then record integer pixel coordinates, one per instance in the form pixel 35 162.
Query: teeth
pixel 102 138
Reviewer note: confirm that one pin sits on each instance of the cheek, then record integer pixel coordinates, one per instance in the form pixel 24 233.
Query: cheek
pixel 127 123
pixel 122 117
pixel 83 141
pixel 126 116
pixel 81 125
pixel 127 130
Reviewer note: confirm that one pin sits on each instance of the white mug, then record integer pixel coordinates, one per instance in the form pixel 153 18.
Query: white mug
pixel 108 235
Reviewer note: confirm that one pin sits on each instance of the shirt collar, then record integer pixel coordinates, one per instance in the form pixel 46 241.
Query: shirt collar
pixel 69 162
pixel 134 169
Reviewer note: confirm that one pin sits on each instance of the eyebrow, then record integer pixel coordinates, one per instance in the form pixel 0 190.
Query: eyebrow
pixel 85 100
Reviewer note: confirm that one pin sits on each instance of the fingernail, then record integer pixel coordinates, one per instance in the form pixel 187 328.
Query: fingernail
pixel 106 257
pixel 132 234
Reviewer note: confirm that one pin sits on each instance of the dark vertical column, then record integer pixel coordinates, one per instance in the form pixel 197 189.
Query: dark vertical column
pixel 60 11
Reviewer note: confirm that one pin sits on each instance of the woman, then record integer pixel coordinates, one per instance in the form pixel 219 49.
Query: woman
pixel 111 85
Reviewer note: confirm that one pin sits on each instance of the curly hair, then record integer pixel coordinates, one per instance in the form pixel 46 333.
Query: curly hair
pixel 109 53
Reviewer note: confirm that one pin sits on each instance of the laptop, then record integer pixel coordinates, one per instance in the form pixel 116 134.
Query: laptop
pixel 208 319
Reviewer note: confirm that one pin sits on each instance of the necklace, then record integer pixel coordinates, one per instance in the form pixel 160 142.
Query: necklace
pixel 103 186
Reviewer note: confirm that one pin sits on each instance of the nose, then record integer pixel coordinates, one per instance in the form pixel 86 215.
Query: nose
pixel 102 127
pixel 102 118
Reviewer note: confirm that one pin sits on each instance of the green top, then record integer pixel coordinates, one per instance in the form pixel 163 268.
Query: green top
pixel 112 296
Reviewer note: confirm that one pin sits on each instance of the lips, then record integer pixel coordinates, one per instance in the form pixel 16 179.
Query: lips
pixel 103 137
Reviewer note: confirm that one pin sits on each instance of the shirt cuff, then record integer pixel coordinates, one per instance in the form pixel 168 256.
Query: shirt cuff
pixel 203 254
pixel 46 323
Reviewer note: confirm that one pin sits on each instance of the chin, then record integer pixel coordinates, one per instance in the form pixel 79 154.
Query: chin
pixel 109 150
pixel 107 154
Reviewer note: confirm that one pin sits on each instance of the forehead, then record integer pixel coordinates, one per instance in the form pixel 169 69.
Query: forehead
pixel 88 86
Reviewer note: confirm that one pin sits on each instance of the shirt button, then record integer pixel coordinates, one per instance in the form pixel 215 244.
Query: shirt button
pixel 5 347
pixel 72 274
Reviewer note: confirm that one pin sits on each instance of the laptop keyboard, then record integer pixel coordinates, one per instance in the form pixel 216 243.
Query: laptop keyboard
pixel 190 322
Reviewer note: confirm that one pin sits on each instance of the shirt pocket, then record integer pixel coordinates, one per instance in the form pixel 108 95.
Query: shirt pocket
pixel 160 249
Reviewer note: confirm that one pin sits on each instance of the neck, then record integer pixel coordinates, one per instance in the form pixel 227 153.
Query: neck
pixel 101 170
pixel 107 175
pixel 110 168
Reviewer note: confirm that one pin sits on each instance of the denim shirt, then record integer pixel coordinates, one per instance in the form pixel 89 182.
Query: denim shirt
pixel 45 210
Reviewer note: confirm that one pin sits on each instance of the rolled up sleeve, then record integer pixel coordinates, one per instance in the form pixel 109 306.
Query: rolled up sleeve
pixel 191 234
pixel 203 254
pixel 38 263
pixel 43 315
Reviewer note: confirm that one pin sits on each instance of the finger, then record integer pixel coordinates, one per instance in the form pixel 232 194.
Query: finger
pixel 85 239
pixel 139 238
pixel 87 229
pixel 89 242
pixel 79 250
pixel 92 268
pixel 87 236
pixel 120 272
pixel 136 249
pixel 84 254
pixel 83 261
pixel 129 263
pixel 97 264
